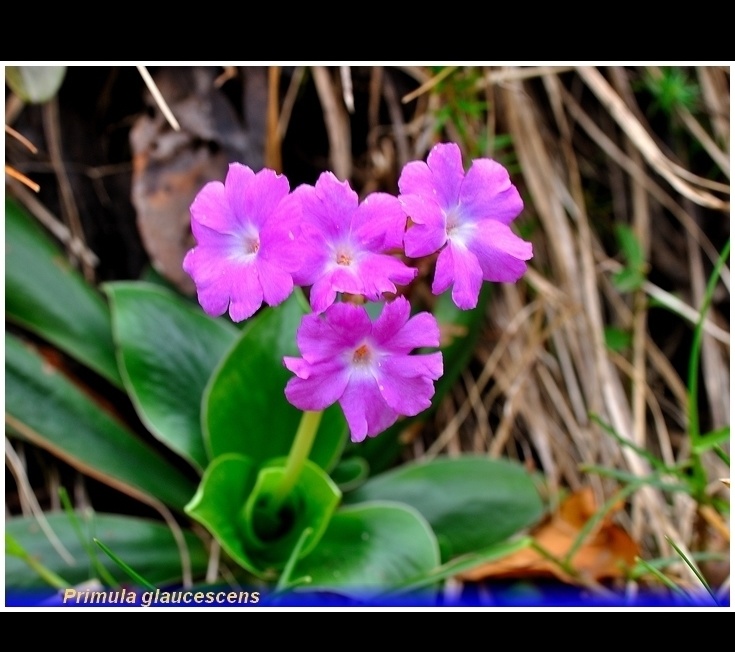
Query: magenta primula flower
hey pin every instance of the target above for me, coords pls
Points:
(346, 244)
(466, 217)
(365, 366)
(246, 251)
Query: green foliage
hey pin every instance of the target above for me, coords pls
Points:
(231, 503)
(463, 113)
(47, 296)
(167, 366)
(244, 407)
(370, 548)
(147, 546)
(76, 429)
(471, 502)
(633, 274)
(672, 90)
(617, 339)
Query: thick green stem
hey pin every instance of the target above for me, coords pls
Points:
(297, 457)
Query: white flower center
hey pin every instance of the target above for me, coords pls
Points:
(457, 229)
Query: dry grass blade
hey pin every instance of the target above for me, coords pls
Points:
(672, 172)
(582, 375)
(336, 120)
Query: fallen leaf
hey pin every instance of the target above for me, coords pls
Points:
(605, 554)
(170, 167)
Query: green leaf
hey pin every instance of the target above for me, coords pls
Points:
(45, 408)
(628, 280)
(471, 502)
(350, 473)
(35, 84)
(712, 439)
(230, 503)
(617, 339)
(370, 548)
(167, 349)
(245, 409)
(630, 247)
(47, 296)
(146, 545)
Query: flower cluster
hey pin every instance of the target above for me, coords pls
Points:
(256, 240)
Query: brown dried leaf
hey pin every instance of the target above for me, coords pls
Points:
(170, 167)
(606, 552)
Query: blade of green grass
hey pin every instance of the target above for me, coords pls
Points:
(12, 547)
(102, 573)
(129, 571)
(694, 568)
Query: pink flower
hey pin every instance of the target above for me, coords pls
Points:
(365, 366)
(346, 244)
(466, 218)
(246, 251)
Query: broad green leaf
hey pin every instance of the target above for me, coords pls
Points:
(245, 408)
(45, 408)
(471, 502)
(460, 330)
(145, 545)
(167, 350)
(35, 84)
(229, 503)
(350, 473)
(47, 296)
(369, 549)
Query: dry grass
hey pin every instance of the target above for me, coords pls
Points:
(589, 158)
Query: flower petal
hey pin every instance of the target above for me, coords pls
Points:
(366, 411)
(316, 386)
(276, 283)
(393, 331)
(406, 382)
(500, 252)
(445, 163)
(416, 179)
(329, 205)
(379, 273)
(458, 265)
(487, 192)
(246, 293)
(341, 329)
(322, 294)
(379, 222)
(211, 209)
(254, 197)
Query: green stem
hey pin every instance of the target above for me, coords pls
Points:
(692, 382)
(297, 457)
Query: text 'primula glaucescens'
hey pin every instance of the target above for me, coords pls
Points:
(256, 240)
